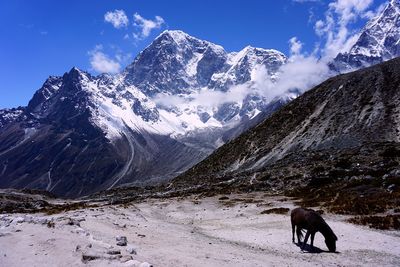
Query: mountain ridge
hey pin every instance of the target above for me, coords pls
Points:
(377, 42)
(55, 142)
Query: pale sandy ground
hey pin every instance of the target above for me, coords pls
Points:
(186, 232)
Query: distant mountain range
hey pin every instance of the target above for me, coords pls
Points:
(81, 133)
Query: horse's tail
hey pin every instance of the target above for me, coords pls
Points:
(301, 233)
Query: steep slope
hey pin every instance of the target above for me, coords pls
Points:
(355, 114)
(379, 41)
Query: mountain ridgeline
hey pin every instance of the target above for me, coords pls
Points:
(81, 133)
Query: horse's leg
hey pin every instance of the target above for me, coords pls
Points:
(312, 240)
(293, 226)
(305, 239)
(299, 234)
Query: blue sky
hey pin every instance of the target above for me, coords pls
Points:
(47, 37)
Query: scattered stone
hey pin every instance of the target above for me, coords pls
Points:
(113, 252)
(119, 225)
(90, 257)
(121, 240)
(391, 187)
(19, 220)
(126, 258)
(145, 264)
(86, 257)
(133, 263)
(368, 177)
(41, 221)
(80, 231)
(73, 222)
(50, 224)
(4, 234)
(131, 250)
(395, 173)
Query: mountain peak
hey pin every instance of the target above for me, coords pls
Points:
(76, 71)
(378, 41)
(181, 38)
(178, 36)
(175, 33)
(250, 48)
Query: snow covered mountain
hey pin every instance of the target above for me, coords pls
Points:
(379, 41)
(80, 134)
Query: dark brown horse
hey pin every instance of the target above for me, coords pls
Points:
(311, 221)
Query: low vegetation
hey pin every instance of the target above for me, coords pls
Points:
(276, 211)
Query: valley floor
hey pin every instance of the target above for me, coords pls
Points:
(186, 232)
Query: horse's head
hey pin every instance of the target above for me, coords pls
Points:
(331, 243)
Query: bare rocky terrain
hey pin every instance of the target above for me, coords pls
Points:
(223, 230)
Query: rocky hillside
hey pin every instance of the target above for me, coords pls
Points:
(346, 125)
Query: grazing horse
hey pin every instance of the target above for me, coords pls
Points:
(311, 221)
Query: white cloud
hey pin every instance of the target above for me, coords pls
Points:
(335, 26)
(373, 13)
(102, 63)
(300, 73)
(205, 98)
(319, 27)
(146, 25)
(349, 10)
(295, 46)
(117, 18)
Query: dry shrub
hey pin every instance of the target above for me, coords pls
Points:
(378, 222)
(276, 211)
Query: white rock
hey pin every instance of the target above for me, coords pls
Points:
(121, 240)
(145, 264)
(131, 250)
(19, 220)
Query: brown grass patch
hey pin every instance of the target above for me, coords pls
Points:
(353, 198)
(275, 211)
(378, 222)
